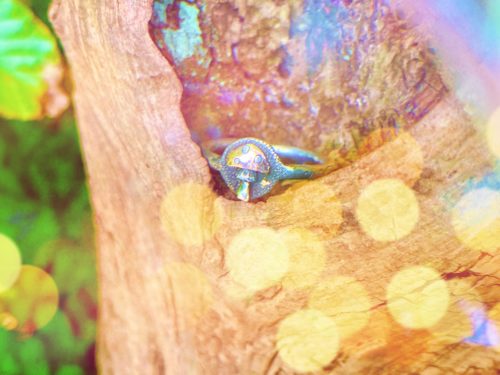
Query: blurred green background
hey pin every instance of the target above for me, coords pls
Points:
(48, 312)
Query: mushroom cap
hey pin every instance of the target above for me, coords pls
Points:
(249, 156)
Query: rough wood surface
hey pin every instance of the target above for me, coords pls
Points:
(138, 150)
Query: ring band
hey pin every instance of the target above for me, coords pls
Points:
(251, 167)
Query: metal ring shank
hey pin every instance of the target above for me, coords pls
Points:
(213, 149)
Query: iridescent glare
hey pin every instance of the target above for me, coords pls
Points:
(493, 133)
(494, 327)
(476, 219)
(185, 40)
(457, 324)
(465, 36)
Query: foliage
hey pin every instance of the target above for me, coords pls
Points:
(44, 205)
(45, 210)
(27, 50)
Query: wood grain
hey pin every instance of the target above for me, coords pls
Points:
(138, 149)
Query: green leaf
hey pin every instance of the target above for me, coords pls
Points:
(27, 48)
(29, 224)
(61, 256)
(9, 183)
(32, 357)
(8, 365)
(76, 219)
(40, 8)
(70, 370)
(59, 341)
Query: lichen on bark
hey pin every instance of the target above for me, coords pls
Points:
(317, 74)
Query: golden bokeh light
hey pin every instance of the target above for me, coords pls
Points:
(189, 214)
(10, 262)
(457, 324)
(476, 219)
(191, 292)
(417, 297)
(493, 133)
(33, 300)
(344, 300)
(257, 258)
(306, 258)
(387, 210)
(307, 340)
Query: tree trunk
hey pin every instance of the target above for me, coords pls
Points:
(169, 302)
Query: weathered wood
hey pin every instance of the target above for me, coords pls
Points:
(138, 149)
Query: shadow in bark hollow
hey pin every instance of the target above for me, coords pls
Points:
(318, 74)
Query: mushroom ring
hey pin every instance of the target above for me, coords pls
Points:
(251, 167)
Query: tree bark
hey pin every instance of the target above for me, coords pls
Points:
(138, 149)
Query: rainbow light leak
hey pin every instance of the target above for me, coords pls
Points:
(466, 35)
